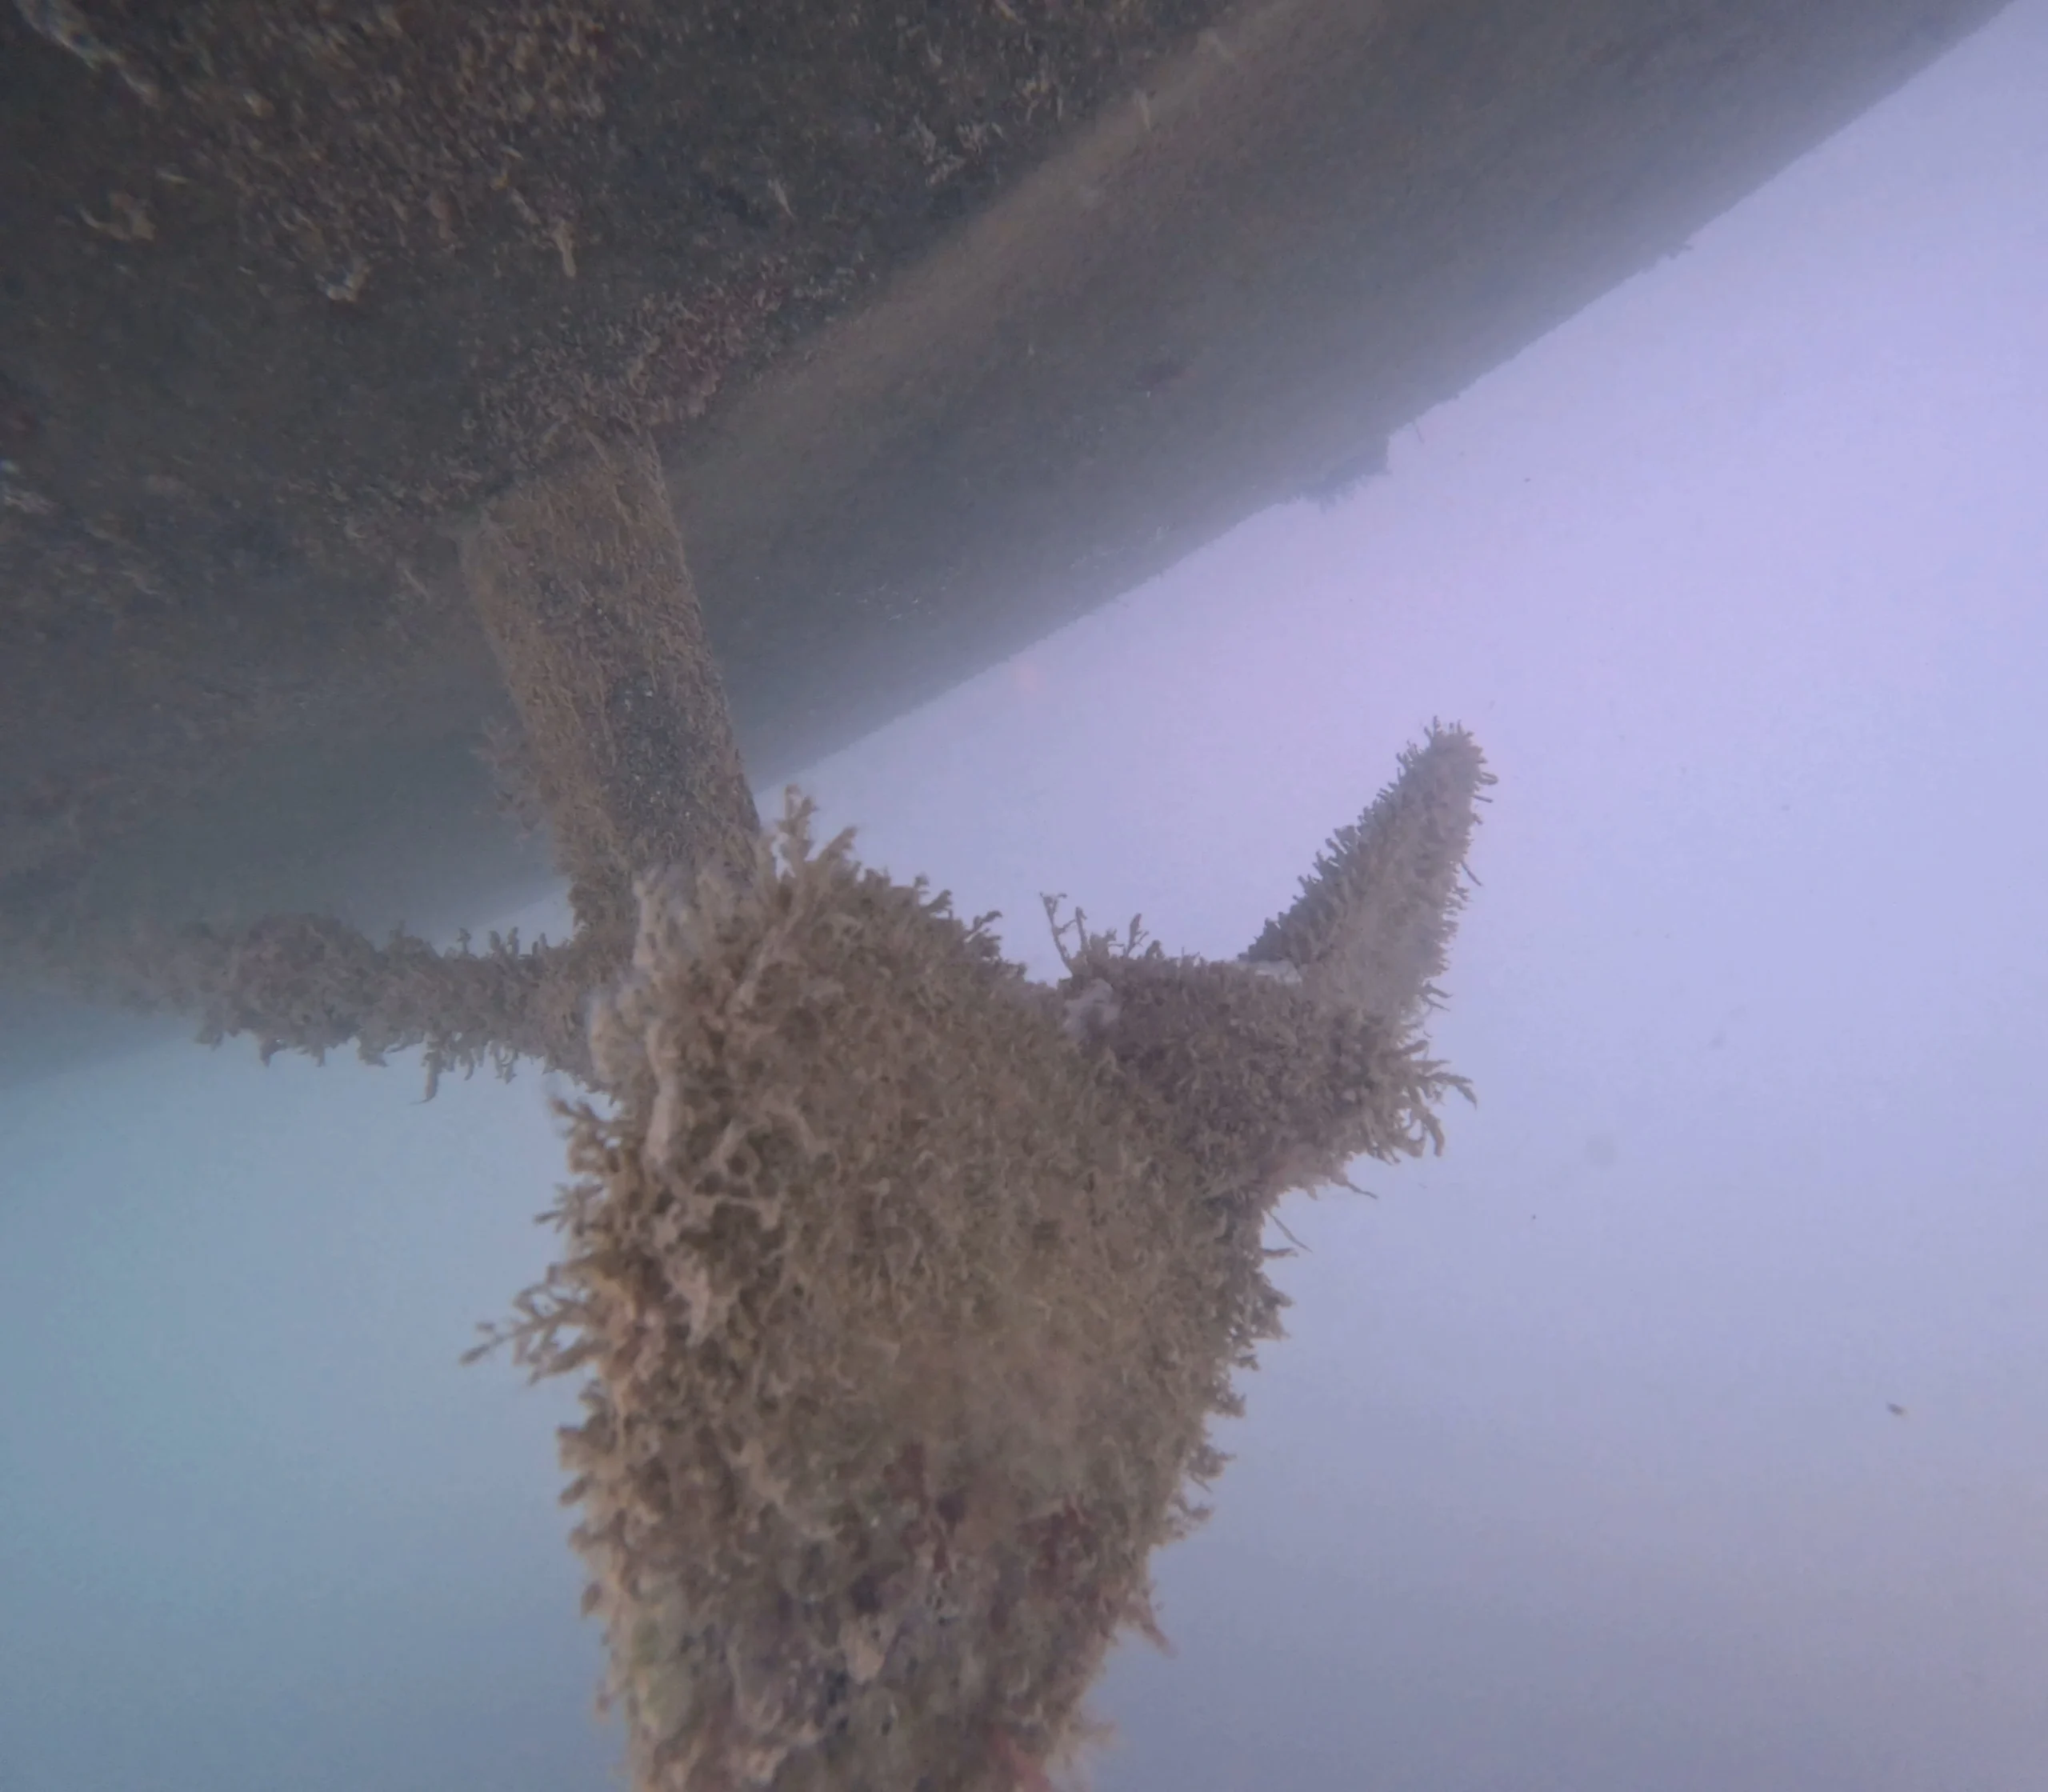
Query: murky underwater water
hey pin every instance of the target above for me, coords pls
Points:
(1678, 1427)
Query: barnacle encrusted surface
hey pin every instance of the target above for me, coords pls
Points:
(907, 1289)
(1266, 1087)
(905, 1323)
(582, 585)
(1372, 927)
